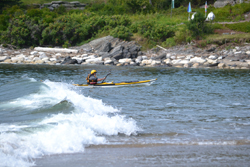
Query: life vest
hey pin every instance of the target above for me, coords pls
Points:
(91, 79)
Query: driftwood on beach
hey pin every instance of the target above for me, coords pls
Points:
(60, 50)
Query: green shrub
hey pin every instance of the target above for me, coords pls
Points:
(22, 31)
(110, 9)
(35, 14)
(138, 6)
(198, 27)
(150, 29)
(121, 32)
(181, 34)
(12, 12)
(170, 42)
(60, 10)
(143, 27)
(4, 22)
(48, 16)
(99, 23)
(118, 20)
(161, 32)
(93, 7)
(64, 31)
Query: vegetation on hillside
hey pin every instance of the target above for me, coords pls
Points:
(149, 24)
(8, 3)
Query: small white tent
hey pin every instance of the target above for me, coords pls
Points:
(210, 16)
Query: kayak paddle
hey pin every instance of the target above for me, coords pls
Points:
(106, 77)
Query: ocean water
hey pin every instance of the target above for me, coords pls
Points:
(188, 117)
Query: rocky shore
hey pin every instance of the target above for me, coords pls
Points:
(113, 51)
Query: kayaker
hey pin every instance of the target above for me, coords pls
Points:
(92, 79)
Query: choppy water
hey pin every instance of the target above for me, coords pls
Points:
(187, 108)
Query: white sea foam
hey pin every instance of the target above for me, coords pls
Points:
(88, 124)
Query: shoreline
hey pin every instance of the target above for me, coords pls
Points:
(155, 156)
(114, 52)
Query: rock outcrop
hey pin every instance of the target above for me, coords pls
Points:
(68, 5)
(222, 3)
(113, 51)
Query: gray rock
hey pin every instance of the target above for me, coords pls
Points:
(97, 43)
(79, 60)
(118, 56)
(51, 8)
(213, 64)
(234, 65)
(2, 58)
(133, 54)
(222, 3)
(42, 55)
(106, 47)
(68, 6)
(159, 57)
(57, 2)
(213, 57)
(55, 5)
(134, 48)
(110, 62)
(68, 60)
(127, 55)
(211, 49)
(117, 52)
(139, 58)
(104, 55)
(187, 65)
(75, 2)
(140, 53)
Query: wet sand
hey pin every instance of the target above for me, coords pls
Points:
(154, 156)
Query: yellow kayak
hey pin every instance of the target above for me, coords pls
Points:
(113, 84)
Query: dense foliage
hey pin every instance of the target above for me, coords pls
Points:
(8, 3)
(152, 22)
(121, 32)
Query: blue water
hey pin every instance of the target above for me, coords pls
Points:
(42, 114)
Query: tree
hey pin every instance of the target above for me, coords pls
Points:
(9, 3)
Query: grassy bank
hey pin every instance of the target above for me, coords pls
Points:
(149, 25)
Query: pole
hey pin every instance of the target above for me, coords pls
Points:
(205, 9)
(171, 8)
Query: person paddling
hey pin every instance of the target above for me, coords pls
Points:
(92, 79)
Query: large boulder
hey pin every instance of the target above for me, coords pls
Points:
(125, 60)
(68, 60)
(222, 3)
(106, 47)
(159, 57)
(3, 58)
(198, 60)
(117, 52)
(68, 5)
(113, 47)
